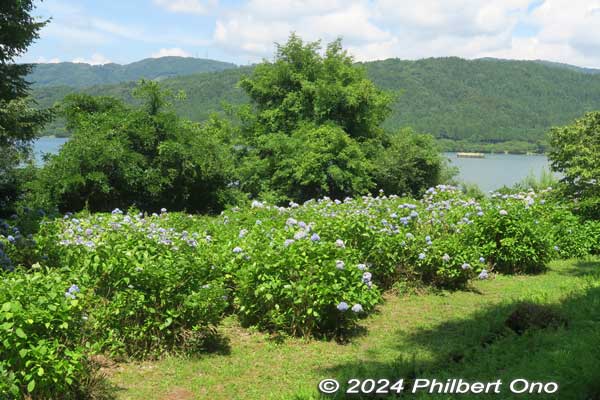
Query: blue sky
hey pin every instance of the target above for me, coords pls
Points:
(244, 31)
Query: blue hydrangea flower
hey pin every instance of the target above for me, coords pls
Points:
(117, 211)
(556, 248)
(74, 289)
(243, 233)
(315, 238)
(291, 222)
(237, 250)
(361, 267)
(503, 212)
(357, 308)
(422, 256)
(301, 235)
(410, 236)
(288, 242)
(343, 306)
(483, 274)
(481, 260)
(367, 276)
(339, 264)
(340, 243)
(466, 266)
(446, 257)
(11, 238)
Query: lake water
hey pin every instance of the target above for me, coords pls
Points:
(497, 170)
(489, 173)
(47, 145)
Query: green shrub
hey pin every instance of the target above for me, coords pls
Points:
(408, 163)
(155, 289)
(155, 160)
(41, 320)
(448, 261)
(301, 284)
(571, 237)
(511, 237)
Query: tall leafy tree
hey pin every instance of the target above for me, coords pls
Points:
(575, 153)
(19, 121)
(312, 113)
(315, 130)
(301, 85)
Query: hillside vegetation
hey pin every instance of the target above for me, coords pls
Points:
(80, 75)
(468, 104)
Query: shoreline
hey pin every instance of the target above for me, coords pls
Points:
(529, 153)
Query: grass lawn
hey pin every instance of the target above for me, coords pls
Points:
(438, 335)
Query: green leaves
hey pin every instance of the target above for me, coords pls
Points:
(40, 346)
(20, 333)
(575, 154)
(157, 159)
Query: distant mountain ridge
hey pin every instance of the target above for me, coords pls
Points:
(460, 102)
(551, 64)
(79, 75)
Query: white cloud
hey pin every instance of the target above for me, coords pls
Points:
(96, 59)
(174, 51)
(44, 60)
(568, 32)
(559, 30)
(188, 6)
(253, 29)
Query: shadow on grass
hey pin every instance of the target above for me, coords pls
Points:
(583, 267)
(481, 347)
(215, 343)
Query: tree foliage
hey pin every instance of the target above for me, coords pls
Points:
(19, 121)
(147, 156)
(407, 163)
(575, 153)
(315, 130)
(301, 86)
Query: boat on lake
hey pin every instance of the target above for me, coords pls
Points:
(470, 155)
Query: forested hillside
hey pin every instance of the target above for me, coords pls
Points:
(83, 75)
(467, 104)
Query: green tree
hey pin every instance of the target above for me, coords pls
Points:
(575, 153)
(314, 161)
(315, 130)
(311, 112)
(19, 122)
(407, 162)
(302, 86)
(120, 156)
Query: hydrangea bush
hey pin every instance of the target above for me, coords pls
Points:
(155, 288)
(300, 282)
(306, 269)
(41, 319)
